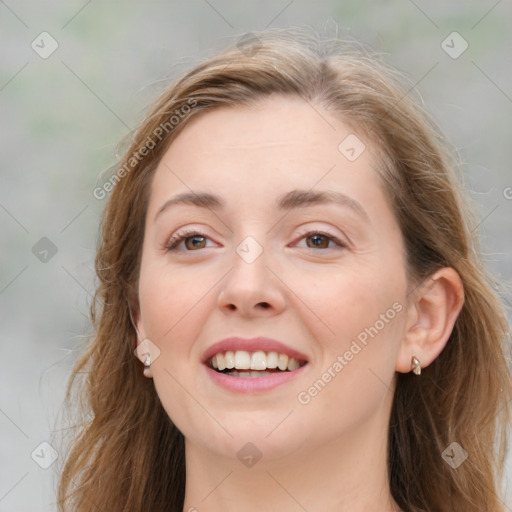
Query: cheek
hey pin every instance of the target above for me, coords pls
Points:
(173, 306)
(364, 309)
(348, 299)
(171, 301)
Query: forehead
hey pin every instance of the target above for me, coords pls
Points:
(279, 143)
(280, 123)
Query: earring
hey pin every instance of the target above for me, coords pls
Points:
(416, 366)
(147, 366)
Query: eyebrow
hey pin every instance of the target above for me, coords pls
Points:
(290, 201)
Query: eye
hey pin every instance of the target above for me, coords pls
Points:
(192, 240)
(321, 240)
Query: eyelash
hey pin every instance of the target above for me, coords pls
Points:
(175, 240)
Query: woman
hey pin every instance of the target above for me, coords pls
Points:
(288, 254)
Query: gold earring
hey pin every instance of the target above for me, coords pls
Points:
(416, 366)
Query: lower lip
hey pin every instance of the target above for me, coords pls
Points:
(252, 384)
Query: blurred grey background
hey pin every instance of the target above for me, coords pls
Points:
(64, 108)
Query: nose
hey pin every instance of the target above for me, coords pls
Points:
(251, 289)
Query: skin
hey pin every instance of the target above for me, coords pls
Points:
(328, 454)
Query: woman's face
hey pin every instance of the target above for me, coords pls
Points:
(287, 236)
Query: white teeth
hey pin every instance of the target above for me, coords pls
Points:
(221, 362)
(247, 374)
(283, 362)
(259, 361)
(293, 364)
(229, 357)
(252, 374)
(272, 360)
(242, 360)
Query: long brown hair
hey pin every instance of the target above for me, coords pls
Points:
(128, 455)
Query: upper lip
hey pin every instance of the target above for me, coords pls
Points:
(252, 345)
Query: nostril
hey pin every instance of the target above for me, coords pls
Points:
(264, 305)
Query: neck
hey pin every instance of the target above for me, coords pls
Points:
(348, 474)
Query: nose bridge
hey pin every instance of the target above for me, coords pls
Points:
(250, 285)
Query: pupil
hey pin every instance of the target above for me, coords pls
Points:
(318, 240)
(196, 241)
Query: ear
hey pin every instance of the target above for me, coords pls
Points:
(431, 315)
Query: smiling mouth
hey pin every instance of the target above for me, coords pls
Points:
(241, 363)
